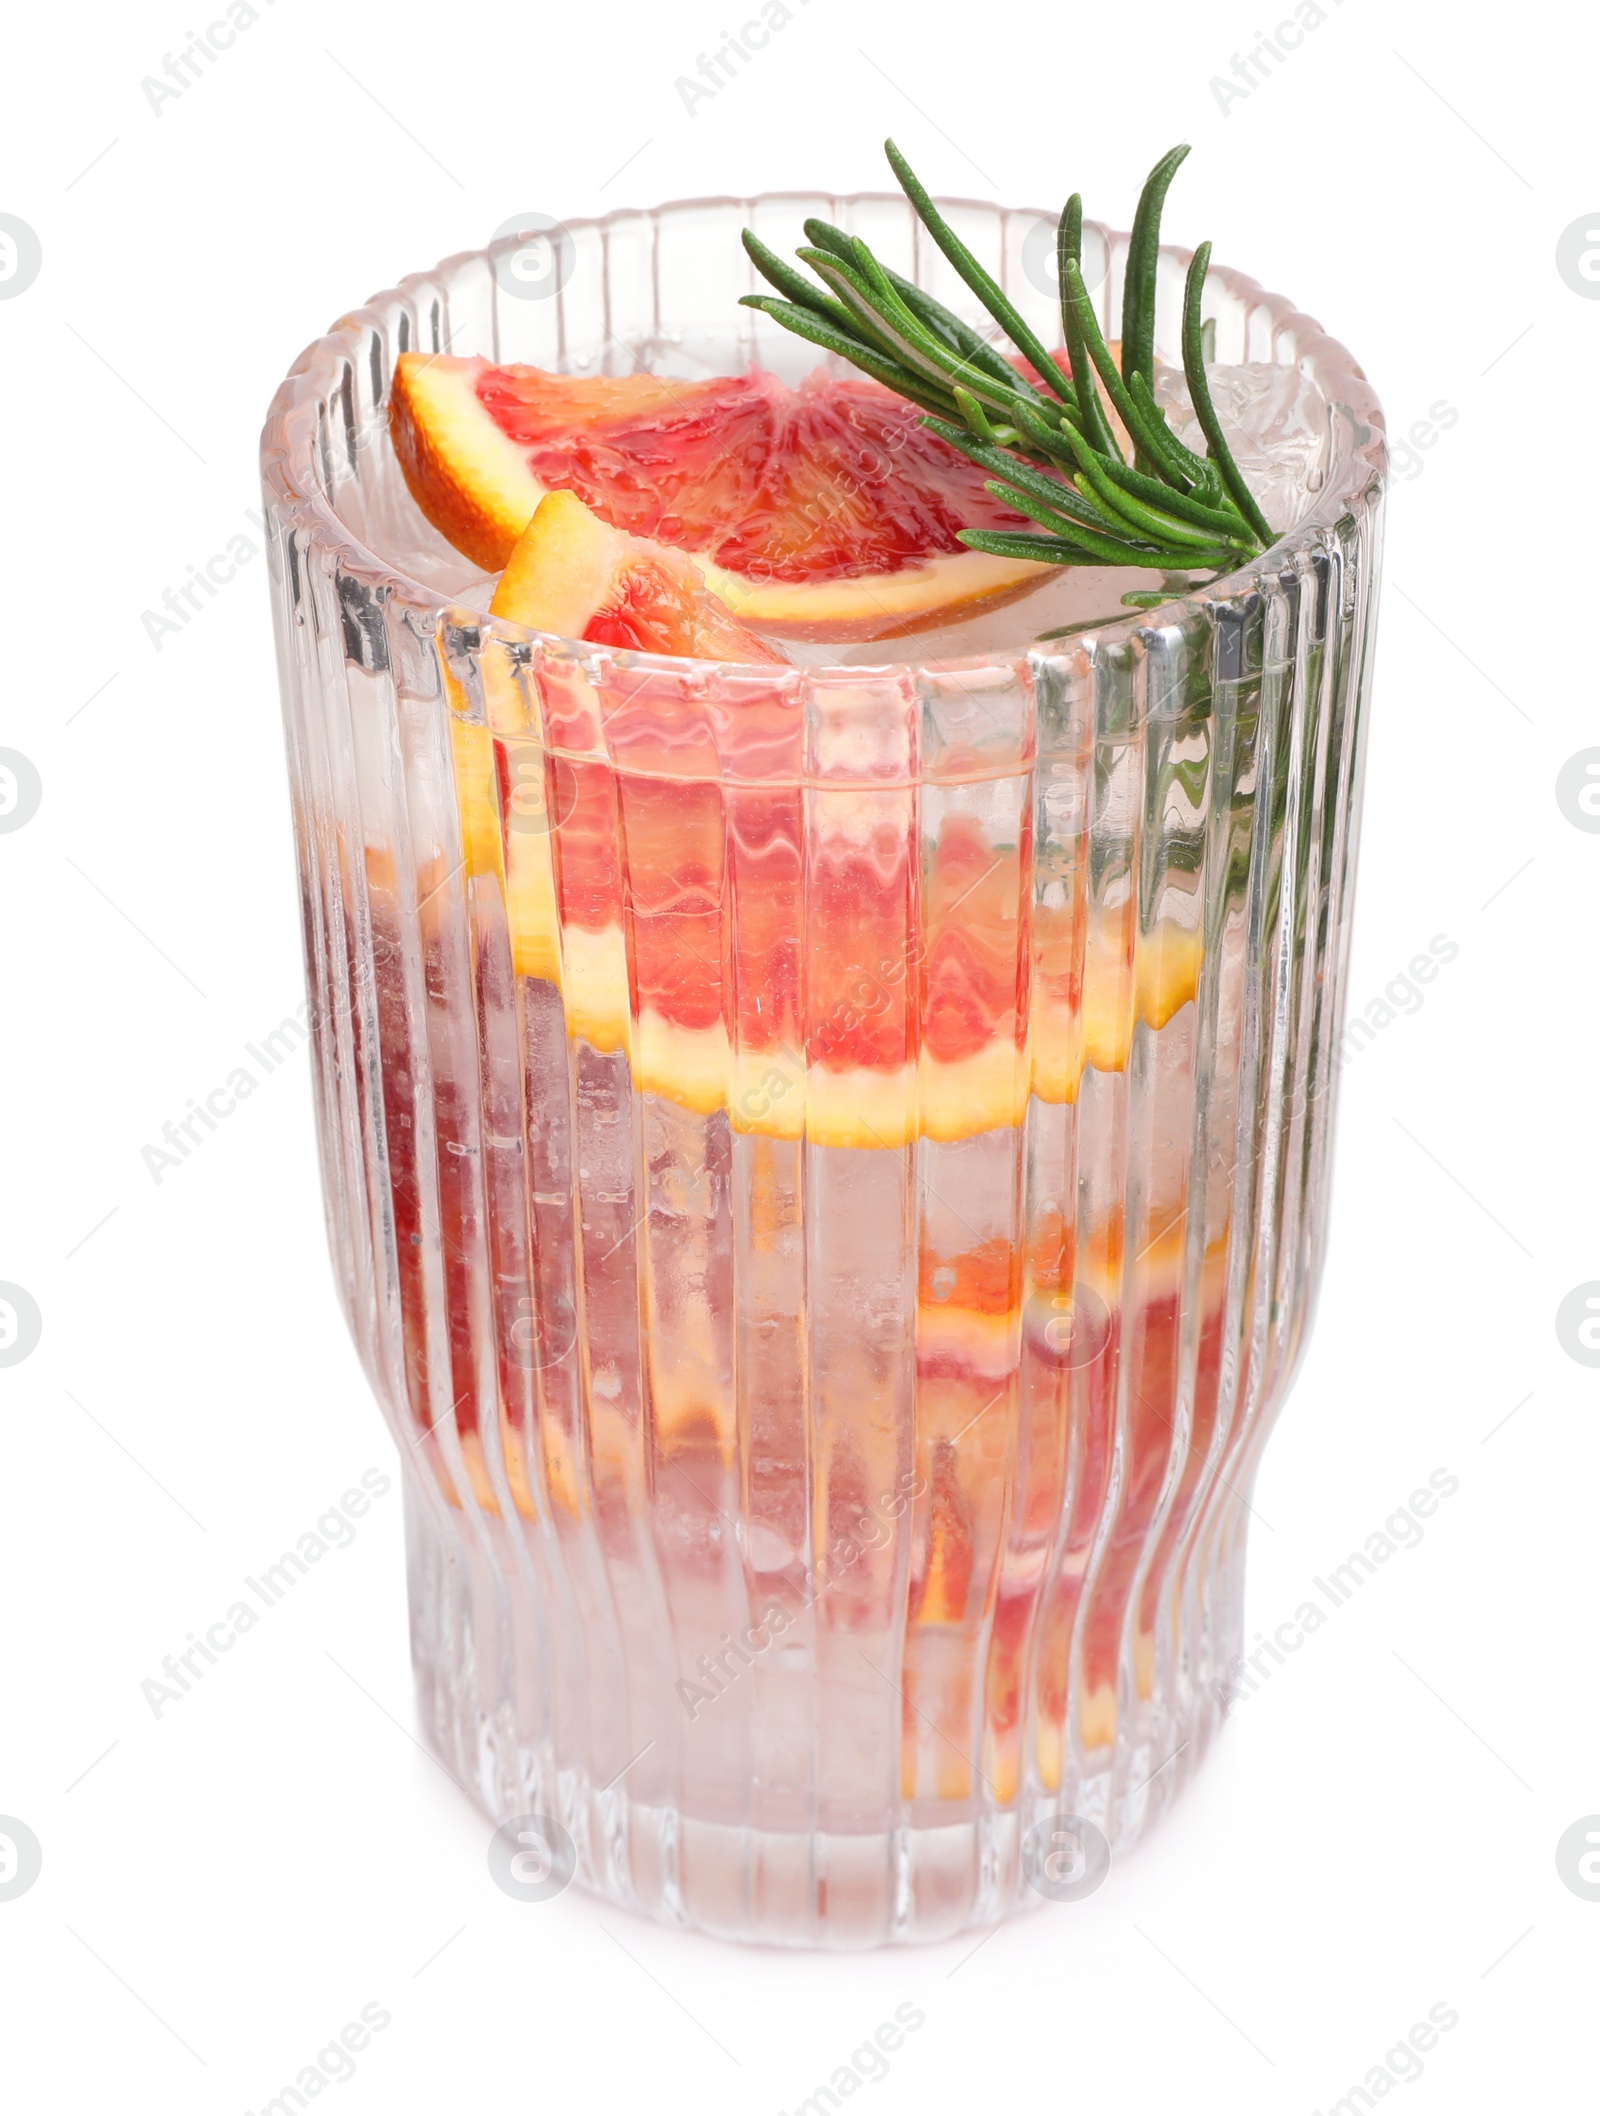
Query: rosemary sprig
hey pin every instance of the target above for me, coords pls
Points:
(1051, 450)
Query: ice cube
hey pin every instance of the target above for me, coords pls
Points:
(1275, 420)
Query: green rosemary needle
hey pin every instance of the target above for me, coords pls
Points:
(1050, 449)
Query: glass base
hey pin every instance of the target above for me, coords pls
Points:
(525, 1735)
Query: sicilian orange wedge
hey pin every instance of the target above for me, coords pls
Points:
(826, 511)
(569, 573)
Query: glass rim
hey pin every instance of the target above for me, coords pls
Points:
(297, 491)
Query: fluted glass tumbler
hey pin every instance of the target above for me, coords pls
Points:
(826, 1165)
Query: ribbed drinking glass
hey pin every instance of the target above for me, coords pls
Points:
(826, 1166)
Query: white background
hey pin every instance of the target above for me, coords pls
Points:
(224, 1888)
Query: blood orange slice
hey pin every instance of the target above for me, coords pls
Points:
(824, 512)
(569, 573)
(883, 977)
